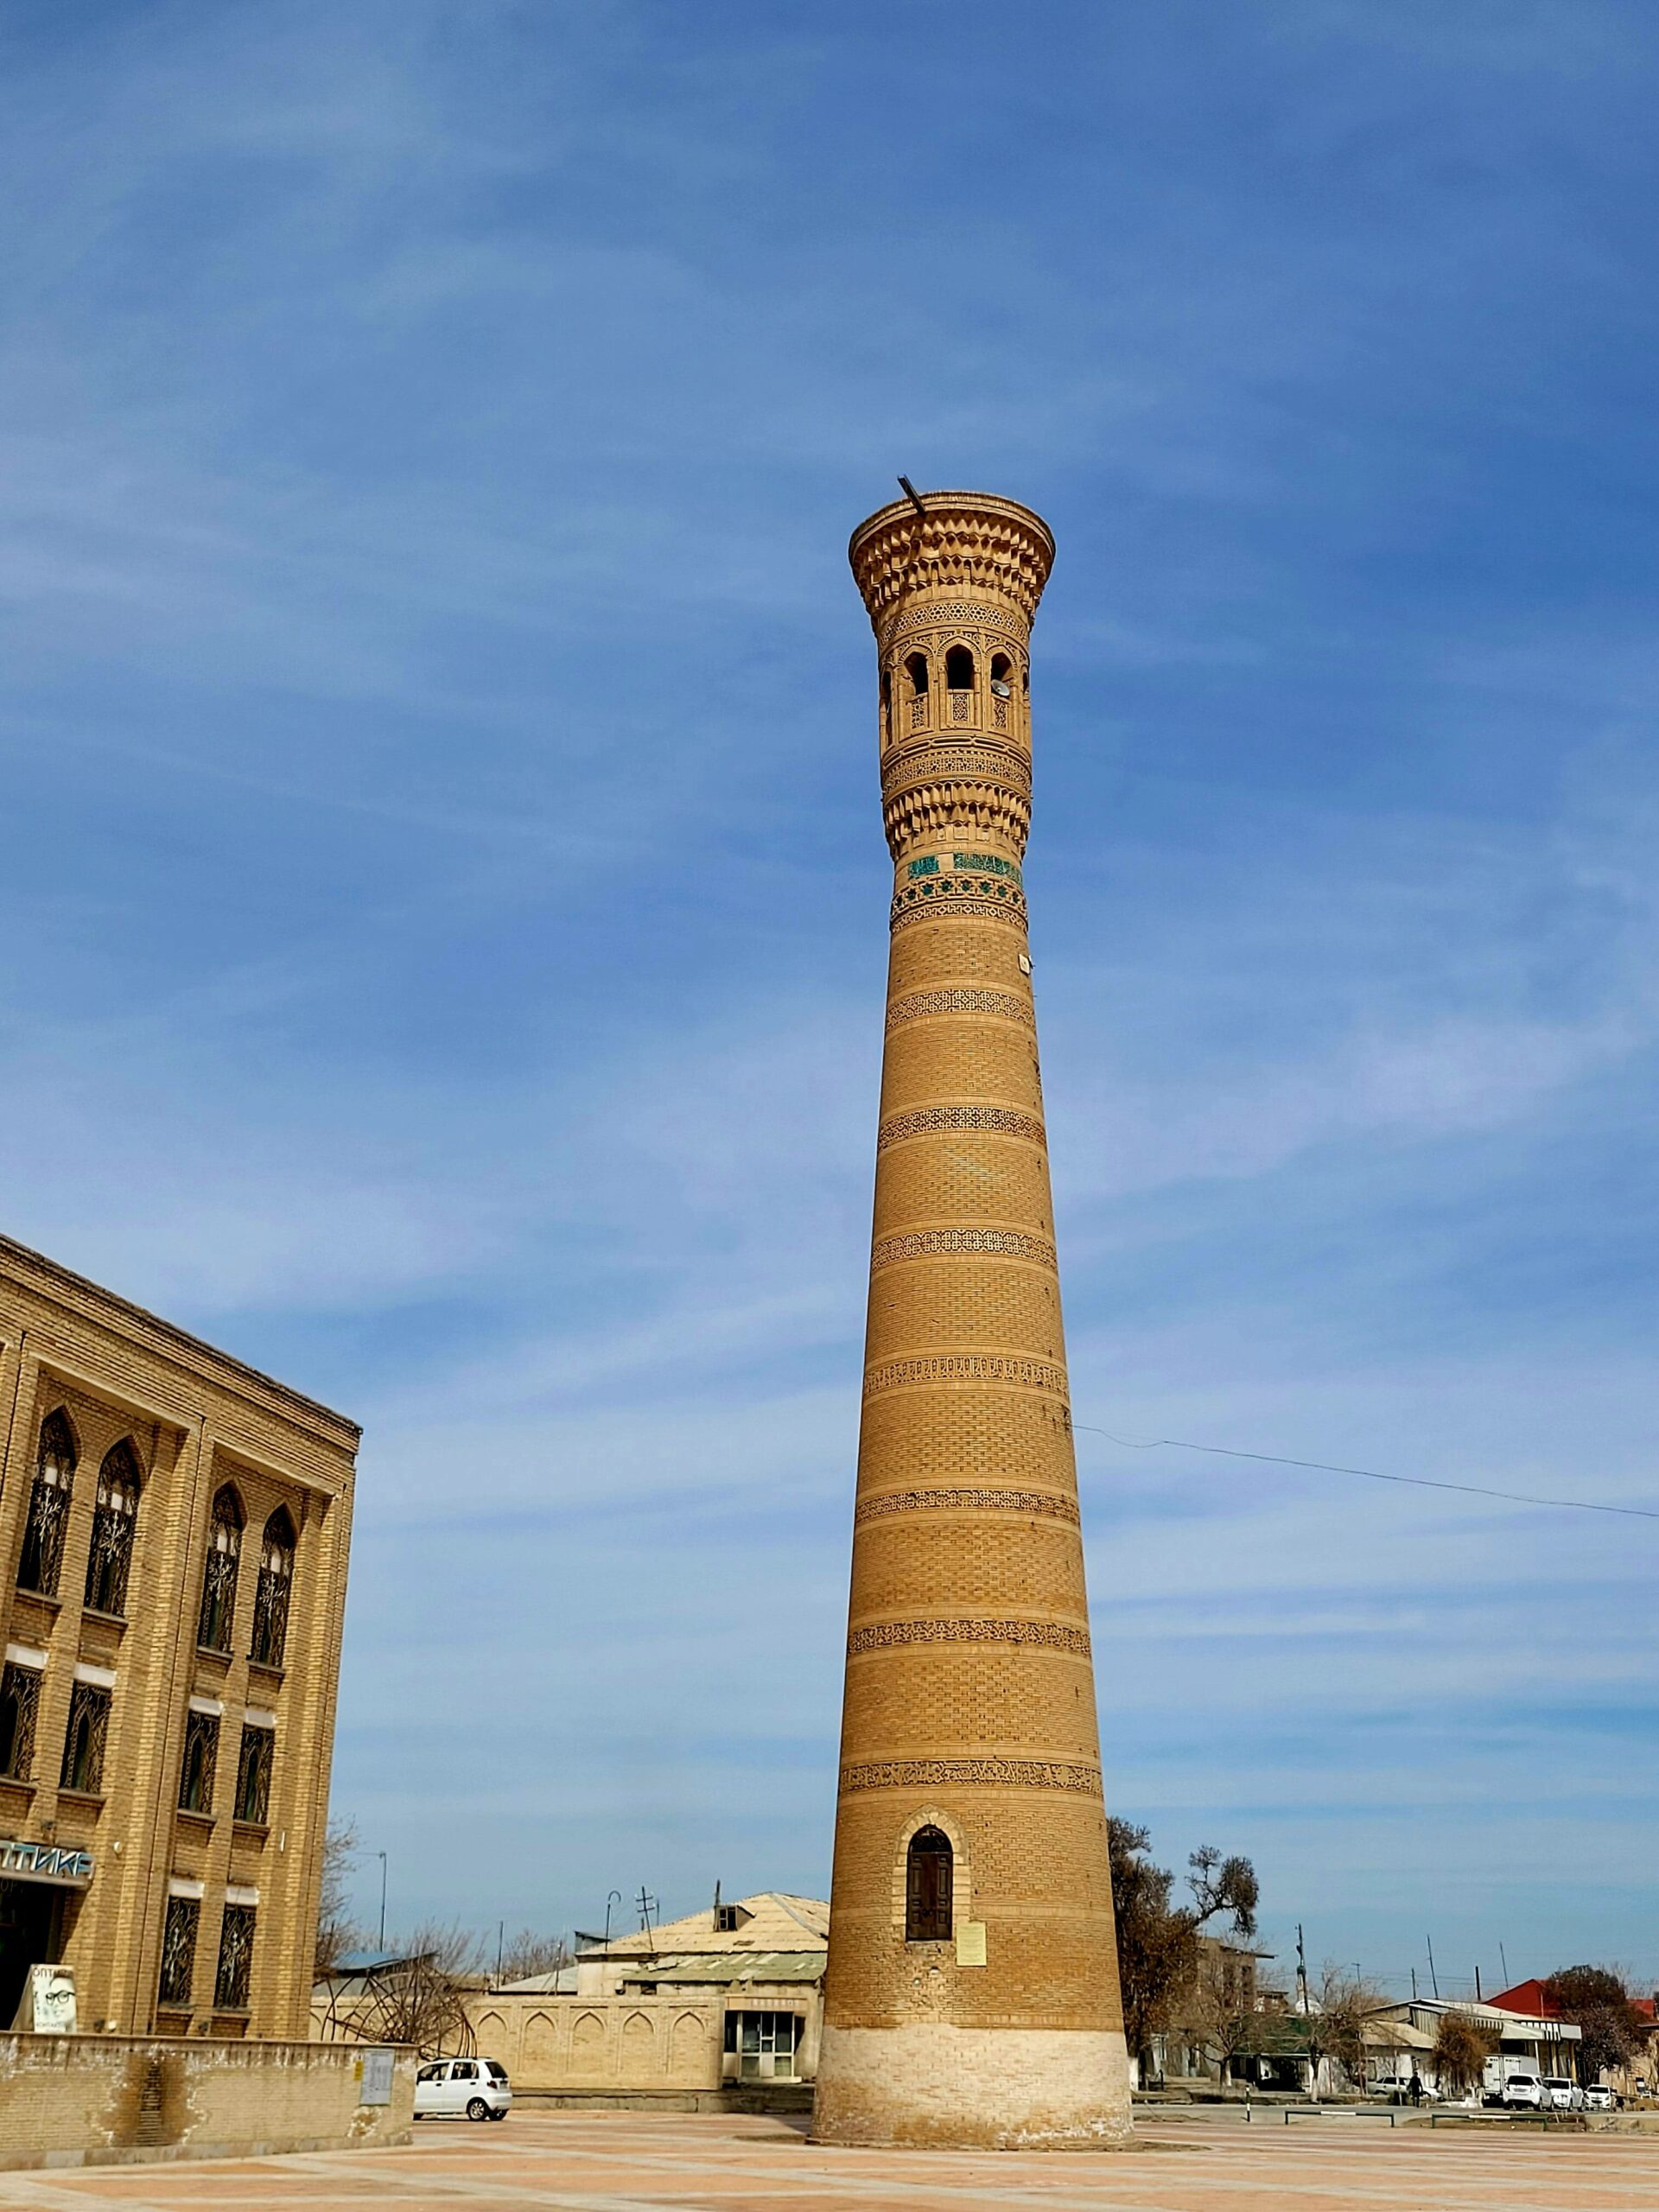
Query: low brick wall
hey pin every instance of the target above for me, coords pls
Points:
(87, 2100)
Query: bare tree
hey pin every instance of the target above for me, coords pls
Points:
(337, 1933)
(1157, 1940)
(1336, 2022)
(1221, 2007)
(1462, 2046)
(1597, 2000)
(529, 1952)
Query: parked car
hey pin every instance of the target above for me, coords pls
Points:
(1522, 2090)
(448, 2087)
(1564, 2095)
(1597, 2097)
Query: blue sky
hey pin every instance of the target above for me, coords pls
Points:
(444, 925)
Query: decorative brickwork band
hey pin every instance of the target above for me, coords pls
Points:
(956, 910)
(971, 894)
(934, 1120)
(919, 1004)
(1046, 1504)
(1051, 1636)
(989, 1774)
(953, 614)
(966, 1367)
(941, 760)
(936, 1243)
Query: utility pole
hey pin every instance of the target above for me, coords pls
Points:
(1479, 2000)
(381, 1856)
(1504, 1963)
(1414, 1985)
(1301, 1968)
(1434, 1981)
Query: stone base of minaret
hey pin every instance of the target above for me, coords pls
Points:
(929, 2085)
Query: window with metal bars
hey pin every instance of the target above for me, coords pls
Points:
(219, 1572)
(256, 1756)
(928, 1883)
(83, 1741)
(20, 1701)
(231, 1982)
(270, 1596)
(201, 1758)
(115, 1516)
(179, 1950)
(48, 1507)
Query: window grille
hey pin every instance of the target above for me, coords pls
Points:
(20, 1699)
(218, 1574)
(928, 1886)
(235, 1958)
(83, 1742)
(179, 1949)
(255, 1758)
(49, 1508)
(270, 1598)
(201, 1758)
(114, 1518)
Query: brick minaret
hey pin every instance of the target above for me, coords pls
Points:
(972, 1994)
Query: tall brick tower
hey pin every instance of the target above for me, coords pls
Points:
(972, 1992)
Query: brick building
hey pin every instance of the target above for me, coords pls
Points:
(174, 1529)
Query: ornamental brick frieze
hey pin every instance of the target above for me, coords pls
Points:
(917, 1005)
(936, 759)
(955, 614)
(979, 1367)
(989, 1774)
(1045, 1504)
(936, 1243)
(1045, 1636)
(992, 904)
(936, 1121)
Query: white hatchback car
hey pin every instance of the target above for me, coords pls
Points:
(1564, 2095)
(1519, 2091)
(449, 2088)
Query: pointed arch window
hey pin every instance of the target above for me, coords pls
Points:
(271, 1599)
(916, 669)
(83, 1740)
(115, 1518)
(958, 669)
(929, 1872)
(20, 1703)
(48, 1507)
(219, 1572)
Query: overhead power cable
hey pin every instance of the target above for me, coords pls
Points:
(1369, 1474)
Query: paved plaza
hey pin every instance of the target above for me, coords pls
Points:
(631, 2162)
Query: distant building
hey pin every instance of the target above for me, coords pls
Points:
(174, 1529)
(730, 1996)
(1639, 2078)
(1403, 2036)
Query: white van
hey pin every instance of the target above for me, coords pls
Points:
(448, 2087)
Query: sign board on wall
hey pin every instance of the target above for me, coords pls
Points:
(47, 2004)
(375, 2075)
(45, 1862)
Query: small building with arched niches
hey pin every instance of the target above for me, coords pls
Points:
(174, 1530)
(728, 2001)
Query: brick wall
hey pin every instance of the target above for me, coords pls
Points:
(115, 2100)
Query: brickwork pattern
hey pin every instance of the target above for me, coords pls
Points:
(970, 1688)
(196, 1421)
